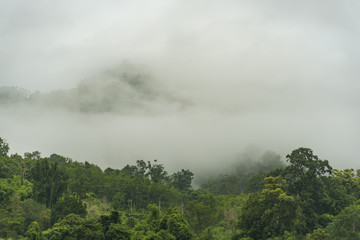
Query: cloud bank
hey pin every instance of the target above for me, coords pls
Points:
(210, 79)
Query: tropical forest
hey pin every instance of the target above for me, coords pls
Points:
(55, 197)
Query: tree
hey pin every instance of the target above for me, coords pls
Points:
(49, 181)
(107, 220)
(306, 176)
(318, 234)
(201, 210)
(304, 165)
(69, 204)
(342, 189)
(153, 217)
(33, 211)
(182, 179)
(4, 148)
(215, 233)
(349, 181)
(176, 225)
(118, 201)
(85, 178)
(70, 227)
(93, 230)
(158, 193)
(141, 167)
(270, 213)
(34, 232)
(157, 172)
(36, 155)
(59, 159)
(117, 231)
(6, 190)
(346, 225)
(59, 179)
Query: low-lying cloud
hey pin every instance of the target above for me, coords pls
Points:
(214, 78)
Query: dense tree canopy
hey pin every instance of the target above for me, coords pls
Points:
(57, 198)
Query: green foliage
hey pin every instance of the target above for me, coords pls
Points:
(36, 155)
(154, 171)
(230, 208)
(176, 225)
(157, 172)
(49, 181)
(117, 231)
(270, 213)
(212, 233)
(171, 225)
(96, 207)
(182, 179)
(118, 201)
(12, 193)
(349, 182)
(318, 234)
(14, 186)
(67, 205)
(10, 166)
(163, 235)
(6, 190)
(84, 178)
(201, 210)
(70, 227)
(305, 167)
(4, 148)
(93, 230)
(34, 232)
(44, 198)
(153, 217)
(307, 178)
(33, 211)
(10, 224)
(346, 225)
(107, 220)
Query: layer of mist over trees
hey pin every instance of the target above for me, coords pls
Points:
(167, 110)
(114, 113)
(121, 90)
(57, 198)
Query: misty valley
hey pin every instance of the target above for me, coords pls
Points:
(56, 197)
(179, 120)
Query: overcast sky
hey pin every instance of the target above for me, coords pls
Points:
(274, 74)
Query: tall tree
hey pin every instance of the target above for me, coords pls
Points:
(346, 225)
(157, 172)
(270, 213)
(305, 166)
(182, 179)
(306, 177)
(49, 181)
(69, 204)
(4, 148)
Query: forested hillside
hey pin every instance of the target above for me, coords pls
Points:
(57, 198)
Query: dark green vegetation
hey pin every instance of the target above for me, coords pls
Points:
(58, 198)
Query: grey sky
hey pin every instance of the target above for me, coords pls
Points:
(278, 74)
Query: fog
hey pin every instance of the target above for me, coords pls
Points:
(193, 84)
